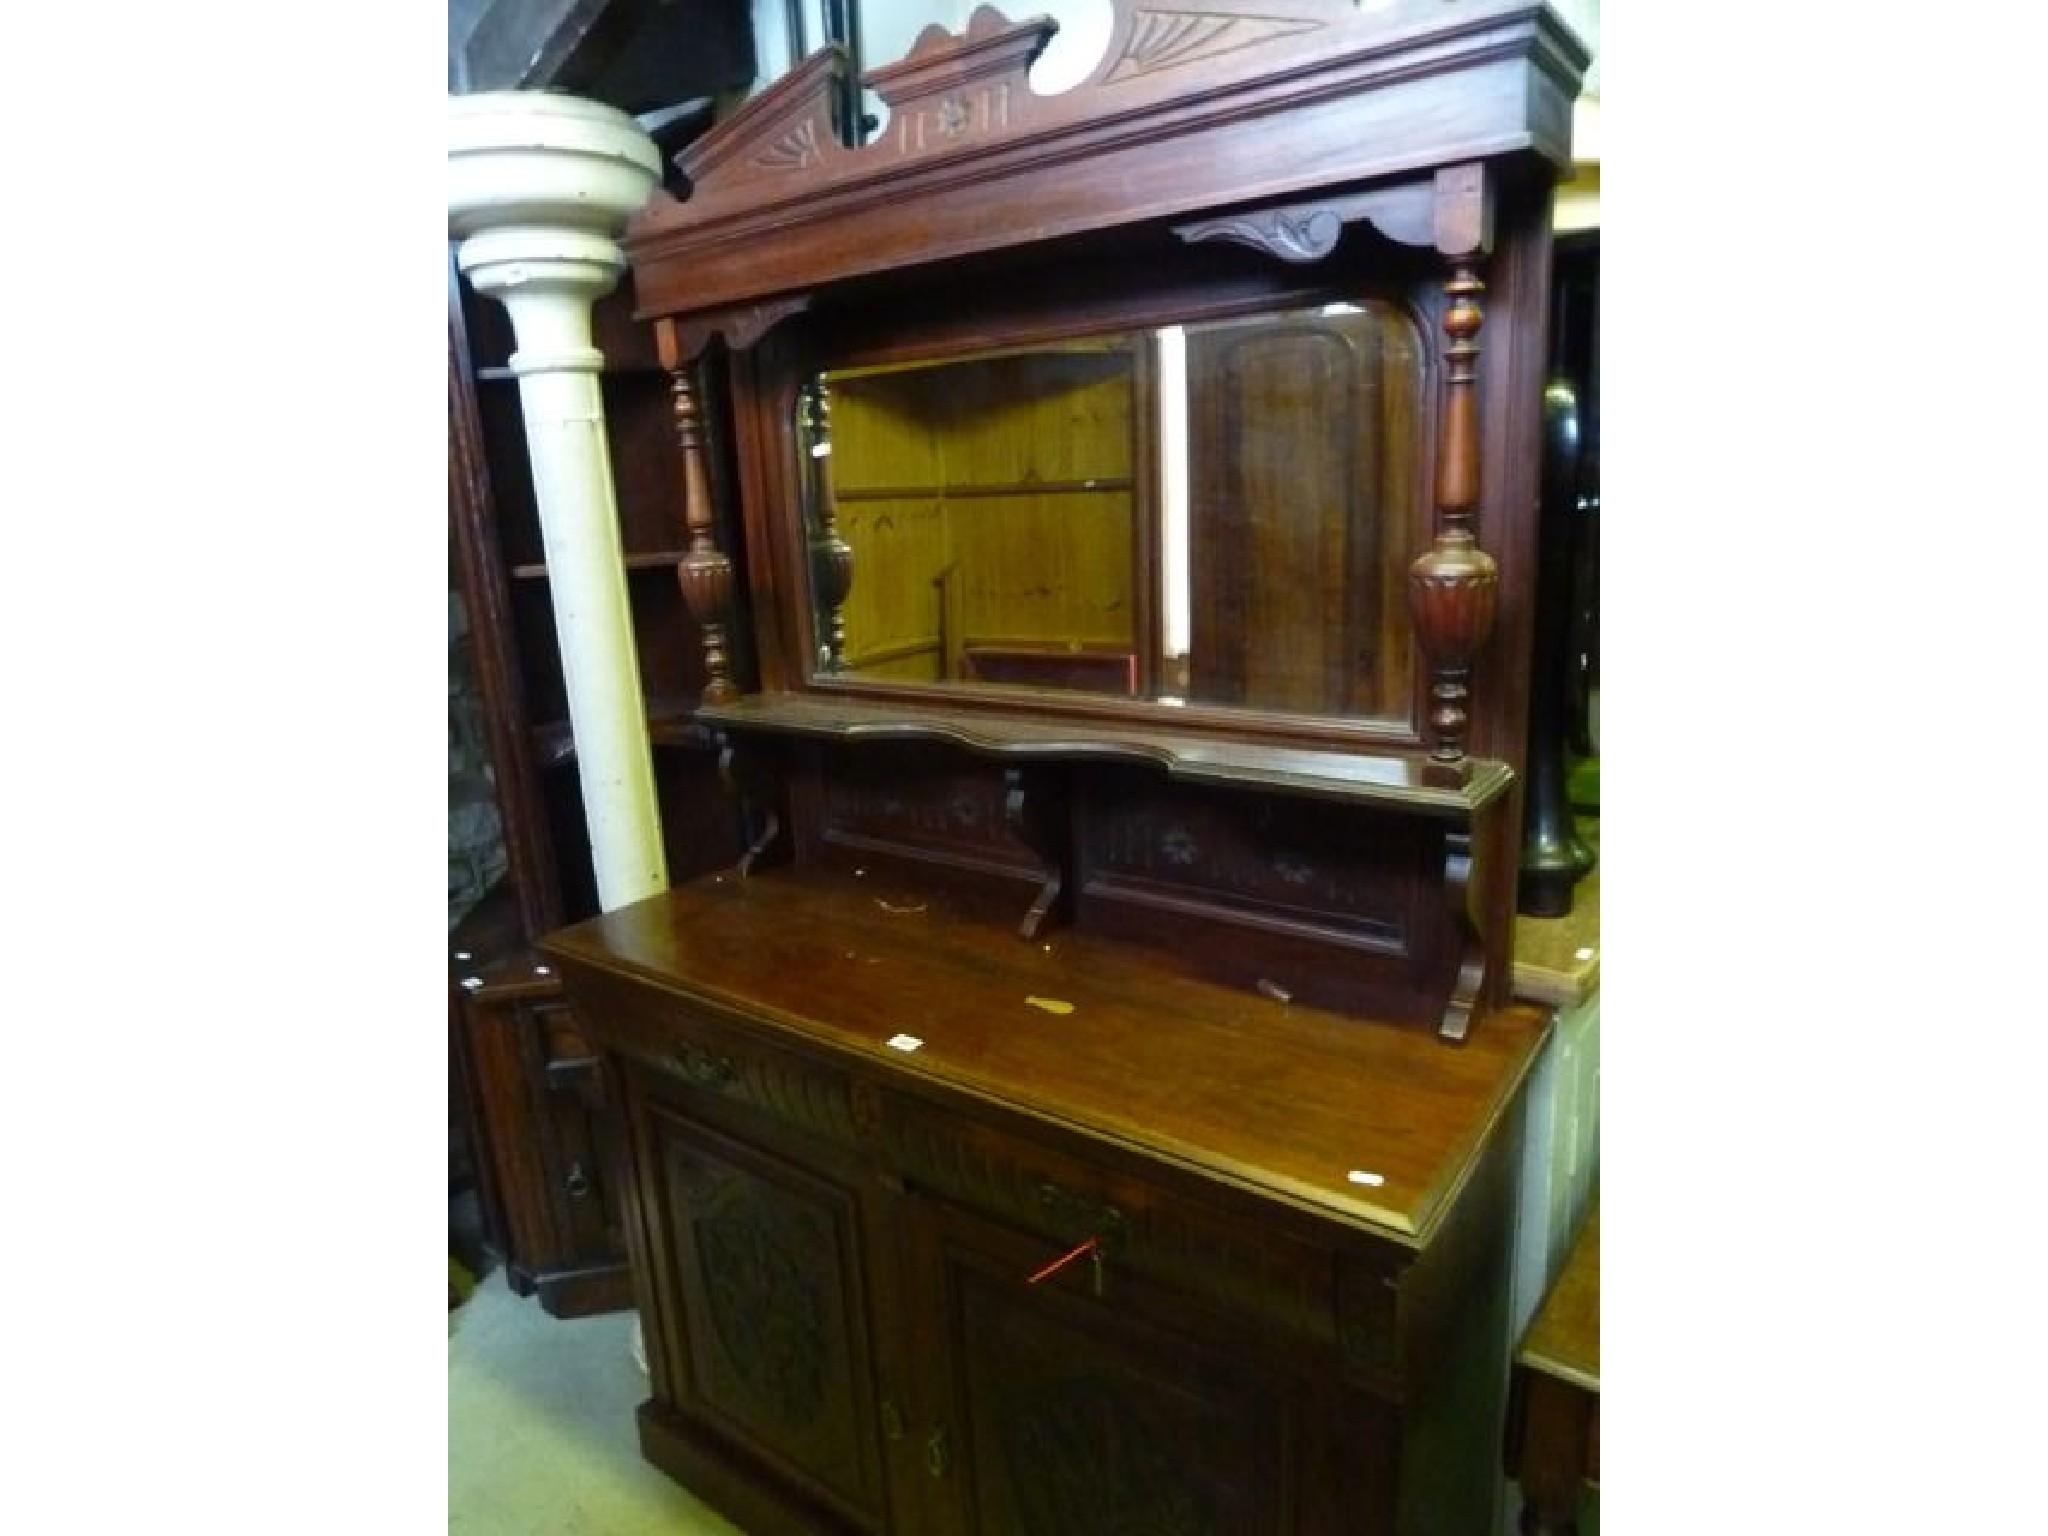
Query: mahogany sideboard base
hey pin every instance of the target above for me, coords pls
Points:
(1045, 1272)
(747, 1494)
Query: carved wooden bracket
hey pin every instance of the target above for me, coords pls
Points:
(1451, 212)
(1038, 822)
(1468, 992)
(750, 780)
(831, 555)
(1300, 232)
(740, 327)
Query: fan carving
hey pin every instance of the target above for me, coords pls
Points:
(794, 150)
(1167, 39)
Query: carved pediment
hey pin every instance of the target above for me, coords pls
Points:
(956, 90)
(787, 128)
(950, 89)
(1238, 115)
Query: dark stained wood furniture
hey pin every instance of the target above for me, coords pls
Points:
(1073, 1112)
(536, 1115)
(1285, 1308)
(538, 1123)
(1554, 1420)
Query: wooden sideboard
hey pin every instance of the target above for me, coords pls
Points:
(865, 1126)
(1092, 1102)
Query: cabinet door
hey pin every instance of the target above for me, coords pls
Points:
(1058, 1413)
(769, 1309)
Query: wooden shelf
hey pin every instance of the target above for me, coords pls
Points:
(974, 492)
(671, 722)
(1411, 782)
(611, 370)
(649, 560)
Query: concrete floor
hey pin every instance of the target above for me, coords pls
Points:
(541, 1440)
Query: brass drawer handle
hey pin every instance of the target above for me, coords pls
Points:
(1077, 1213)
(936, 1455)
(577, 1182)
(707, 1069)
(892, 1420)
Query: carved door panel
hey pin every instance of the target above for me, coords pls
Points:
(1051, 1412)
(770, 1328)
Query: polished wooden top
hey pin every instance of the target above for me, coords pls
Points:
(488, 955)
(1564, 1341)
(1373, 1124)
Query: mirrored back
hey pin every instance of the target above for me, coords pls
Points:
(1213, 513)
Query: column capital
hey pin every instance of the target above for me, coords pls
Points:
(540, 185)
(545, 161)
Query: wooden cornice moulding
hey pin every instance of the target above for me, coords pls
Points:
(1270, 97)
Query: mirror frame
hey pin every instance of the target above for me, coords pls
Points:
(1064, 300)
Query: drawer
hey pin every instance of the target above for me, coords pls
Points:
(1179, 1241)
(693, 1052)
(560, 1038)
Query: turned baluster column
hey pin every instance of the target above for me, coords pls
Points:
(540, 185)
(1452, 587)
(831, 555)
(705, 573)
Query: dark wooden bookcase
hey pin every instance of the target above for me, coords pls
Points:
(536, 1104)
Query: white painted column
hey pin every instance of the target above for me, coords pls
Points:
(540, 186)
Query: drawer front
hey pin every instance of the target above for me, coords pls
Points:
(1216, 1252)
(1168, 1238)
(561, 1039)
(717, 1059)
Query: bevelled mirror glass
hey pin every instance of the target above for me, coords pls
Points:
(1214, 513)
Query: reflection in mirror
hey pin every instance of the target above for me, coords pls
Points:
(1217, 513)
